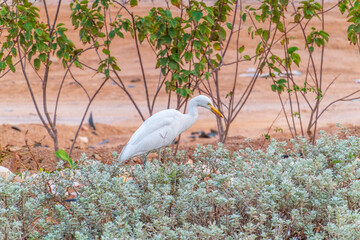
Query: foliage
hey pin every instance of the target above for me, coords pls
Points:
(273, 23)
(302, 192)
(61, 154)
(190, 41)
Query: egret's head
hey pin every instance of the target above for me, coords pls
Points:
(206, 102)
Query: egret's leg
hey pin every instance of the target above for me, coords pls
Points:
(159, 154)
(144, 158)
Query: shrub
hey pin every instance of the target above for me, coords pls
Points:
(283, 193)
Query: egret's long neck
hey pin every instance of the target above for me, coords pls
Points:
(192, 109)
(191, 116)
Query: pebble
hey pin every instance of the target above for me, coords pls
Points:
(103, 142)
(135, 80)
(84, 139)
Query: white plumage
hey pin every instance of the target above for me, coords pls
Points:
(162, 128)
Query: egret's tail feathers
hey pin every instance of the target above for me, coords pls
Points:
(123, 156)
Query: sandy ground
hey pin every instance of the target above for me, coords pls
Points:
(23, 139)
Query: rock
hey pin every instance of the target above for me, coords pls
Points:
(135, 80)
(97, 157)
(84, 128)
(16, 128)
(203, 135)
(251, 70)
(103, 142)
(5, 173)
(212, 133)
(83, 139)
(91, 122)
(247, 75)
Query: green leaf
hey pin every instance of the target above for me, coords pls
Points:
(176, 3)
(319, 42)
(43, 57)
(280, 27)
(197, 44)
(197, 15)
(172, 32)
(175, 57)
(241, 49)
(133, 3)
(243, 17)
(66, 56)
(217, 46)
(12, 68)
(38, 31)
(62, 155)
(9, 60)
(78, 64)
(356, 29)
(229, 26)
(106, 51)
(296, 58)
(281, 82)
(168, 13)
(28, 26)
(164, 61)
(173, 65)
(207, 18)
(292, 49)
(265, 35)
(186, 37)
(37, 63)
(336, 161)
(273, 87)
(13, 51)
(2, 65)
(115, 67)
(188, 56)
(111, 34)
(246, 57)
(222, 33)
(107, 72)
(325, 35)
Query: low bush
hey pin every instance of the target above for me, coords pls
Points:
(300, 192)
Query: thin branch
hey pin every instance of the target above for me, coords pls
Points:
(84, 115)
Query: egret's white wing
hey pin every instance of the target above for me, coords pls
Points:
(159, 121)
(157, 131)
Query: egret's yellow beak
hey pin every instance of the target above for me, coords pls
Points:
(214, 110)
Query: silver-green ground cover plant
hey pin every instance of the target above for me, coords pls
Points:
(296, 192)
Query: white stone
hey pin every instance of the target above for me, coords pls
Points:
(5, 173)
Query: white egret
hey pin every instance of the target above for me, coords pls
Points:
(162, 128)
